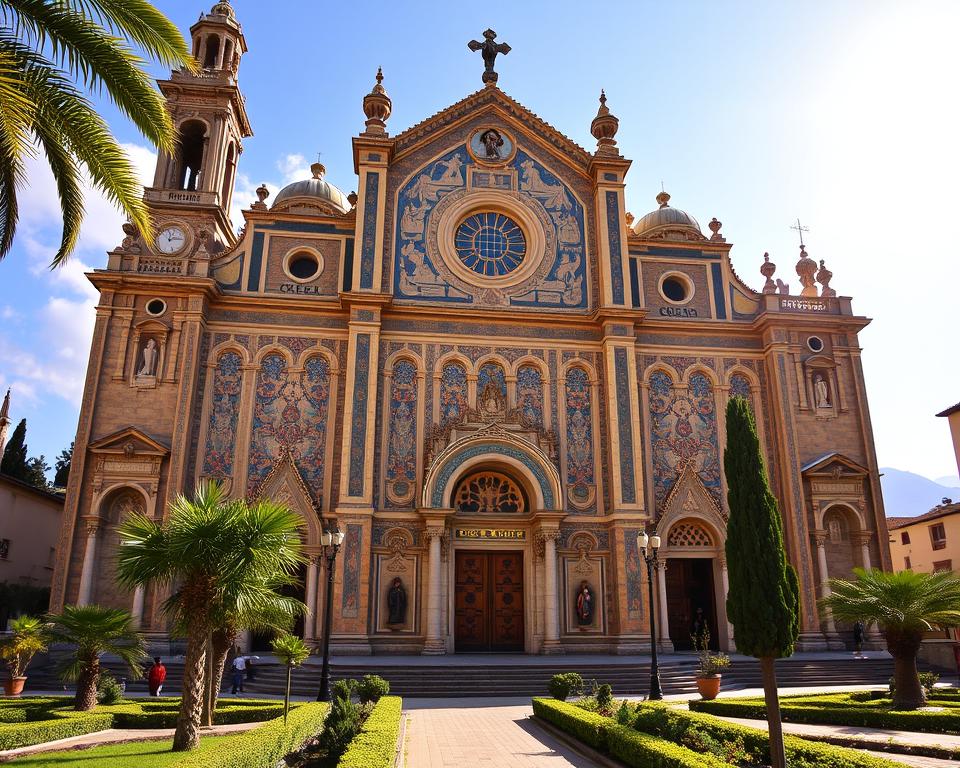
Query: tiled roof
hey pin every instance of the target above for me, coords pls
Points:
(937, 512)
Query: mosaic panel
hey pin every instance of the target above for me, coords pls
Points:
(453, 465)
(358, 424)
(581, 481)
(631, 563)
(290, 410)
(530, 393)
(402, 441)
(453, 392)
(352, 556)
(491, 373)
(613, 236)
(224, 411)
(625, 424)
(367, 245)
(683, 428)
(380, 531)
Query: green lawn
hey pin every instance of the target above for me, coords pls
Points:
(142, 754)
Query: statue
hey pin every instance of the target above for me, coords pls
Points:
(821, 391)
(783, 288)
(492, 141)
(150, 355)
(824, 276)
(584, 605)
(489, 50)
(396, 603)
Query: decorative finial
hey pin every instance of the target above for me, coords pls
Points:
(715, 225)
(604, 127)
(262, 194)
(824, 276)
(223, 8)
(806, 267)
(317, 169)
(662, 199)
(377, 106)
(5, 408)
(800, 230)
(488, 51)
(767, 269)
(352, 199)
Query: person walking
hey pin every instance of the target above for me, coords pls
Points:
(858, 640)
(251, 672)
(156, 676)
(238, 669)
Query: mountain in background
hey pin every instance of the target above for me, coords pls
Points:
(906, 494)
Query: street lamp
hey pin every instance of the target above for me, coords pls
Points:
(643, 541)
(330, 541)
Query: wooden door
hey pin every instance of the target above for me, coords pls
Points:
(689, 586)
(488, 601)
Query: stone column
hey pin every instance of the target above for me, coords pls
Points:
(821, 539)
(551, 629)
(725, 583)
(137, 610)
(663, 617)
(310, 620)
(85, 594)
(863, 539)
(434, 645)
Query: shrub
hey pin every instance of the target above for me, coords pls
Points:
(108, 690)
(343, 722)
(564, 684)
(28, 638)
(624, 714)
(265, 745)
(376, 744)
(927, 679)
(371, 688)
(60, 726)
(604, 697)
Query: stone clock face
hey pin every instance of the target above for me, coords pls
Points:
(171, 240)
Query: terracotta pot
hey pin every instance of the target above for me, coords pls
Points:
(708, 687)
(13, 686)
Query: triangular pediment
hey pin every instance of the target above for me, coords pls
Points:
(689, 495)
(493, 100)
(284, 485)
(834, 464)
(129, 440)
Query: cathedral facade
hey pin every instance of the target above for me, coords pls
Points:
(479, 367)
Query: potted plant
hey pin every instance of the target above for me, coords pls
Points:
(709, 665)
(17, 651)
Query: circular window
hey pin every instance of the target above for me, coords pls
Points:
(815, 343)
(490, 244)
(156, 307)
(676, 288)
(302, 266)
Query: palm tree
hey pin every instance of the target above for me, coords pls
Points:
(292, 651)
(904, 605)
(216, 552)
(45, 47)
(96, 630)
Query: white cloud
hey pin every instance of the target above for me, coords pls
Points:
(9, 314)
(294, 167)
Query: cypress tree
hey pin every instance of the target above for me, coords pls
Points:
(763, 601)
(63, 467)
(14, 462)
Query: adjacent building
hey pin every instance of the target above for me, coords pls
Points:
(480, 367)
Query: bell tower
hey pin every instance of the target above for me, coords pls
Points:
(192, 188)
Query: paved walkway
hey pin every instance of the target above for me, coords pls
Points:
(455, 733)
(116, 736)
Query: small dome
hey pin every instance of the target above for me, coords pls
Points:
(312, 193)
(666, 223)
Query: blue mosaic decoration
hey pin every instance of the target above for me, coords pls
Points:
(352, 555)
(631, 562)
(581, 479)
(740, 386)
(290, 410)
(224, 410)
(683, 429)
(625, 423)
(368, 244)
(358, 429)
(491, 372)
(613, 236)
(530, 393)
(402, 441)
(490, 244)
(453, 464)
(453, 392)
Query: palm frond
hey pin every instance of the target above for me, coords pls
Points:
(69, 184)
(16, 114)
(95, 630)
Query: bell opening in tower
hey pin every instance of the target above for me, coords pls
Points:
(190, 155)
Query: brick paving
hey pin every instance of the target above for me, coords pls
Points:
(455, 733)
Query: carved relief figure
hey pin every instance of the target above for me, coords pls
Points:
(531, 181)
(492, 141)
(421, 273)
(568, 231)
(148, 359)
(396, 603)
(411, 223)
(821, 391)
(584, 605)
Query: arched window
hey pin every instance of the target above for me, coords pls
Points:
(190, 154)
(213, 49)
(489, 493)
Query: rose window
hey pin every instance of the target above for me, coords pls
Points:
(489, 493)
(490, 244)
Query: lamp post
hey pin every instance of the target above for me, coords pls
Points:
(650, 558)
(331, 541)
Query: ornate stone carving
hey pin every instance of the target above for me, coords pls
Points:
(767, 269)
(397, 542)
(489, 50)
(806, 268)
(148, 359)
(824, 276)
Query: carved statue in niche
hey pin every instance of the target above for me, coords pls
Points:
(148, 359)
(584, 605)
(492, 141)
(396, 603)
(821, 391)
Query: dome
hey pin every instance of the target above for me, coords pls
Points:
(666, 223)
(312, 193)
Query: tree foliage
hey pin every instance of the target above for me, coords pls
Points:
(62, 476)
(37, 469)
(49, 51)
(14, 462)
(763, 600)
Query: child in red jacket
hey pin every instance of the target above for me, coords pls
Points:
(156, 676)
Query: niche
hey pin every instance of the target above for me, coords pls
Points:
(190, 154)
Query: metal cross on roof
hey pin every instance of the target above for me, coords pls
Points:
(800, 230)
(489, 50)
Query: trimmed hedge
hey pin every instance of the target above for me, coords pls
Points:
(662, 720)
(264, 746)
(376, 744)
(636, 749)
(59, 725)
(864, 709)
(149, 714)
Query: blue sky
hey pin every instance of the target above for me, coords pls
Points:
(843, 114)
